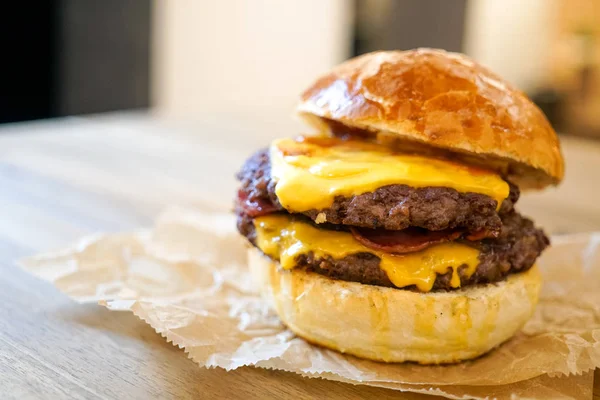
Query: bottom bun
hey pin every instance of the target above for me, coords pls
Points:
(394, 325)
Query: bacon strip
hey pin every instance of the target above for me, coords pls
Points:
(255, 207)
(482, 234)
(405, 241)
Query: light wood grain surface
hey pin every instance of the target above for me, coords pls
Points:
(66, 178)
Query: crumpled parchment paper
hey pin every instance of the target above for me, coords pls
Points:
(188, 279)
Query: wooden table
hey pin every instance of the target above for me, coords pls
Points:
(66, 178)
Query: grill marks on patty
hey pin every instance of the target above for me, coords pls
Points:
(515, 247)
(392, 207)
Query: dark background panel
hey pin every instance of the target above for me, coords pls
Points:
(66, 57)
(27, 60)
(407, 24)
(104, 55)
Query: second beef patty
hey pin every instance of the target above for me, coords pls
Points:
(515, 250)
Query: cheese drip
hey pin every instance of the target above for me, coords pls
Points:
(311, 172)
(285, 239)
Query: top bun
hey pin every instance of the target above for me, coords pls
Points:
(433, 100)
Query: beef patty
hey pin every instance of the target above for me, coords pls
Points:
(515, 250)
(392, 207)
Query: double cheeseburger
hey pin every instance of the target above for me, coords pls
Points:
(391, 234)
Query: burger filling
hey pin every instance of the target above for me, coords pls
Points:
(357, 211)
(339, 255)
(391, 207)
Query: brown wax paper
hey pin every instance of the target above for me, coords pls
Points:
(188, 279)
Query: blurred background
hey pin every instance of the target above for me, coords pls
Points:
(189, 58)
(165, 99)
(112, 111)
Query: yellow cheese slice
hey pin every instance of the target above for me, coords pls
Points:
(311, 172)
(284, 238)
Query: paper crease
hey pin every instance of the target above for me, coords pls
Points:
(187, 278)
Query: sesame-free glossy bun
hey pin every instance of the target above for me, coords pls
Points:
(435, 99)
(394, 325)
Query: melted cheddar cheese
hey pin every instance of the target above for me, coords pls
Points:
(284, 238)
(310, 173)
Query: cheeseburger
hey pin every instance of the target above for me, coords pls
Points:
(391, 233)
